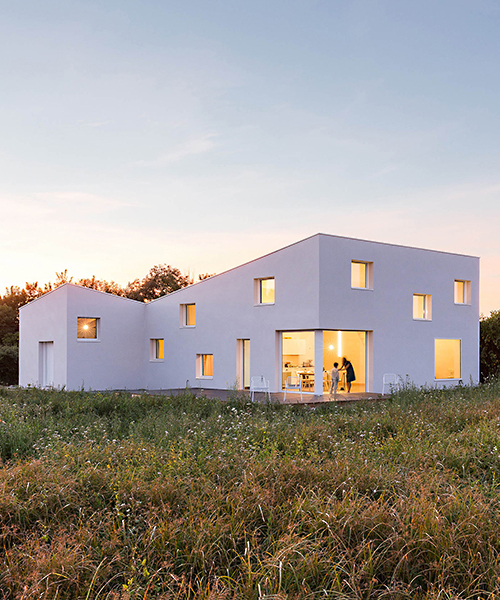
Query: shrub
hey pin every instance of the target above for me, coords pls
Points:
(9, 360)
(490, 346)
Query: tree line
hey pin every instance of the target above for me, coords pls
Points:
(161, 280)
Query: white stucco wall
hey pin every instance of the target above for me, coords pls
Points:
(312, 292)
(225, 312)
(115, 360)
(43, 320)
(401, 344)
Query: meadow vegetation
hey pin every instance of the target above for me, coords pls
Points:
(120, 496)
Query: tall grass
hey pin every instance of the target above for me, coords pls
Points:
(109, 495)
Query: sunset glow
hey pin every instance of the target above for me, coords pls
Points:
(204, 135)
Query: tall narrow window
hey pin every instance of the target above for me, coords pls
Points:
(422, 307)
(204, 365)
(447, 359)
(361, 274)
(190, 315)
(462, 291)
(86, 328)
(157, 349)
(264, 291)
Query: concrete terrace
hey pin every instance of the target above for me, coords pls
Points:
(278, 398)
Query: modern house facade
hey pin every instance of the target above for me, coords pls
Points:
(296, 311)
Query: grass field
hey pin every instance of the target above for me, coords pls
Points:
(111, 496)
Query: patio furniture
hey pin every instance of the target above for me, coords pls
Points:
(258, 383)
(293, 383)
(307, 379)
(327, 379)
(390, 381)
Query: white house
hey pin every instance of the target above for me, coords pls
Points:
(296, 311)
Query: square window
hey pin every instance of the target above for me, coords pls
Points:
(86, 328)
(157, 349)
(361, 274)
(447, 358)
(422, 307)
(204, 365)
(188, 315)
(264, 290)
(462, 291)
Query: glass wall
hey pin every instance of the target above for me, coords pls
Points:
(352, 346)
(298, 357)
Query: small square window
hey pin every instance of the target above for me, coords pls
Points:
(361, 274)
(462, 291)
(204, 365)
(422, 307)
(157, 349)
(264, 291)
(447, 357)
(87, 328)
(188, 315)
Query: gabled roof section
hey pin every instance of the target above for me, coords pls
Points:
(316, 235)
(58, 289)
(249, 262)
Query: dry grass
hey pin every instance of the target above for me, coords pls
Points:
(108, 496)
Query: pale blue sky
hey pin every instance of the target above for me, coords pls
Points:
(206, 133)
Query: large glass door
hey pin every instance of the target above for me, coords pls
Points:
(297, 351)
(350, 345)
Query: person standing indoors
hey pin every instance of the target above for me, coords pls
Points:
(334, 379)
(349, 372)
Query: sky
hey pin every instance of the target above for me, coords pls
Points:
(203, 134)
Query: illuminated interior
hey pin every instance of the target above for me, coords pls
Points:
(298, 357)
(462, 292)
(447, 359)
(352, 346)
(190, 315)
(266, 295)
(246, 364)
(159, 349)
(421, 306)
(207, 365)
(358, 275)
(86, 328)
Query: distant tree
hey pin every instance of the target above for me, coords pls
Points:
(110, 287)
(490, 346)
(8, 321)
(160, 281)
(203, 276)
(9, 359)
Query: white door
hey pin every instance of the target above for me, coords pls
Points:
(46, 364)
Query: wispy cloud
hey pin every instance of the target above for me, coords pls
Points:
(188, 148)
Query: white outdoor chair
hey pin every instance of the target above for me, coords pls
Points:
(293, 383)
(390, 381)
(259, 384)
